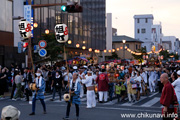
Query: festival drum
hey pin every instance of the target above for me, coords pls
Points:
(67, 97)
(32, 86)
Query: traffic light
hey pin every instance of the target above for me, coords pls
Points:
(25, 46)
(72, 8)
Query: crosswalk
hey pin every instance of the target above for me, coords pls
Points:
(152, 100)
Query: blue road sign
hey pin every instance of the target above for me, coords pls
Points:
(42, 52)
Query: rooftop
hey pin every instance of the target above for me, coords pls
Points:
(124, 37)
(144, 16)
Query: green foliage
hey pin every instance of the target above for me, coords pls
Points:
(140, 57)
(54, 49)
(166, 55)
(114, 55)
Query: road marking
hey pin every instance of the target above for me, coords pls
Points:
(151, 102)
(130, 104)
(153, 94)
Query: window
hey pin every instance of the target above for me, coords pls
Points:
(146, 20)
(138, 31)
(138, 20)
(127, 45)
(136, 47)
(153, 30)
(143, 30)
(139, 46)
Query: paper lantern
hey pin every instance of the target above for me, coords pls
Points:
(25, 29)
(77, 45)
(105, 51)
(61, 32)
(90, 49)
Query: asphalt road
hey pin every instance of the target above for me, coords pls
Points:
(148, 107)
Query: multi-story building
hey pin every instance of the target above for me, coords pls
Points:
(86, 28)
(169, 43)
(109, 31)
(146, 31)
(8, 52)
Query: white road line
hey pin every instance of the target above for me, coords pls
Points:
(151, 102)
(130, 104)
(153, 94)
(110, 102)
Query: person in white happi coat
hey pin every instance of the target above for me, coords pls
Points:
(152, 80)
(81, 74)
(88, 80)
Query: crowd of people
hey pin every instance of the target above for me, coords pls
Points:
(96, 81)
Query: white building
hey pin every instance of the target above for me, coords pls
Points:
(146, 31)
(143, 24)
(109, 31)
(169, 43)
(156, 35)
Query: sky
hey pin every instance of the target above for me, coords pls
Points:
(165, 11)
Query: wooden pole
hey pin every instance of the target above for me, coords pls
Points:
(30, 50)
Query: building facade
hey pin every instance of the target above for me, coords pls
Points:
(8, 52)
(109, 31)
(170, 43)
(146, 31)
(131, 43)
(86, 28)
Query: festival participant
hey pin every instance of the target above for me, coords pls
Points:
(39, 93)
(10, 113)
(143, 74)
(130, 90)
(152, 78)
(88, 80)
(57, 84)
(138, 80)
(81, 74)
(75, 93)
(102, 81)
(168, 97)
(176, 85)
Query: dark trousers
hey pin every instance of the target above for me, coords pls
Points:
(34, 104)
(68, 109)
(110, 95)
(27, 94)
(59, 91)
(65, 83)
(118, 97)
(160, 86)
(13, 89)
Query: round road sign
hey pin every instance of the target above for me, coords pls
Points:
(42, 44)
(42, 52)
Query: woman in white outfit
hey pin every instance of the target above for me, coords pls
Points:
(152, 78)
(88, 80)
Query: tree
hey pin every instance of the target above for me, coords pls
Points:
(165, 54)
(114, 55)
(140, 57)
(54, 49)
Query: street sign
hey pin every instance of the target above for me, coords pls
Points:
(61, 32)
(36, 48)
(27, 13)
(42, 52)
(42, 43)
(19, 47)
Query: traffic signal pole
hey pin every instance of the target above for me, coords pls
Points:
(30, 59)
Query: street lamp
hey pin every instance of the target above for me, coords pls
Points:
(124, 41)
